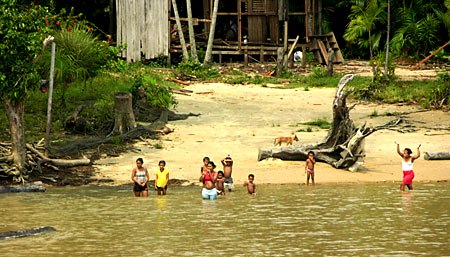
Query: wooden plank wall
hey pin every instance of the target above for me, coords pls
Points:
(143, 25)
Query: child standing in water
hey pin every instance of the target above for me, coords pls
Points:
(162, 178)
(309, 167)
(219, 183)
(407, 166)
(140, 177)
(251, 187)
(227, 163)
(205, 163)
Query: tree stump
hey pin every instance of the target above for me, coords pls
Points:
(344, 144)
(123, 111)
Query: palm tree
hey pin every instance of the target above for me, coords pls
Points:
(362, 29)
(79, 56)
(417, 28)
(208, 54)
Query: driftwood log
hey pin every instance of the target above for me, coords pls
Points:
(342, 148)
(35, 160)
(25, 232)
(437, 156)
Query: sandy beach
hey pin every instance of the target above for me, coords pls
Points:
(236, 120)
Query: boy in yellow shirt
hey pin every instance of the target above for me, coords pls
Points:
(162, 178)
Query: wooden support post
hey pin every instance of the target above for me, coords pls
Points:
(304, 55)
(330, 61)
(239, 24)
(290, 51)
(280, 55)
(261, 54)
(246, 56)
(50, 97)
(285, 36)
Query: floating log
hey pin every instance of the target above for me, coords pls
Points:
(25, 232)
(437, 156)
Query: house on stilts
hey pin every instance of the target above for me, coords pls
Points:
(245, 29)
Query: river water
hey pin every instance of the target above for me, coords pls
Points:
(281, 220)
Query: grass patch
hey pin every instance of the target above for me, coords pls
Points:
(374, 114)
(321, 123)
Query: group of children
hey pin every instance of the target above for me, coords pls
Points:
(216, 183)
(220, 182)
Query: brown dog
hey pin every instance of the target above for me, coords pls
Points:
(287, 140)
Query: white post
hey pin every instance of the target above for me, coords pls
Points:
(50, 97)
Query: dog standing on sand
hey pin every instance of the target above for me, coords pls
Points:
(287, 140)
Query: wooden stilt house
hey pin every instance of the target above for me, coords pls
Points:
(245, 28)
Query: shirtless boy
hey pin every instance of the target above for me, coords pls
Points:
(251, 187)
(309, 167)
(219, 183)
(227, 163)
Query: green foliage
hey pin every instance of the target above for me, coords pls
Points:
(116, 64)
(364, 27)
(379, 75)
(79, 55)
(159, 62)
(321, 123)
(158, 145)
(428, 93)
(197, 70)
(418, 28)
(21, 33)
(156, 94)
(318, 71)
(440, 94)
(442, 55)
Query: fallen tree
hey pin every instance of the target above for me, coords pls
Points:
(344, 144)
(437, 156)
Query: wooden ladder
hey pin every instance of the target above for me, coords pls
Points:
(320, 45)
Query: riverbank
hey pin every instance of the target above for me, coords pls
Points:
(236, 120)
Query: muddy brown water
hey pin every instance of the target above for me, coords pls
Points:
(281, 220)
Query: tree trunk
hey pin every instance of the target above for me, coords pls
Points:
(124, 116)
(386, 62)
(191, 32)
(15, 113)
(344, 144)
(180, 31)
(208, 55)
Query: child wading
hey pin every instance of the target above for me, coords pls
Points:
(227, 163)
(407, 166)
(309, 167)
(162, 178)
(251, 186)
